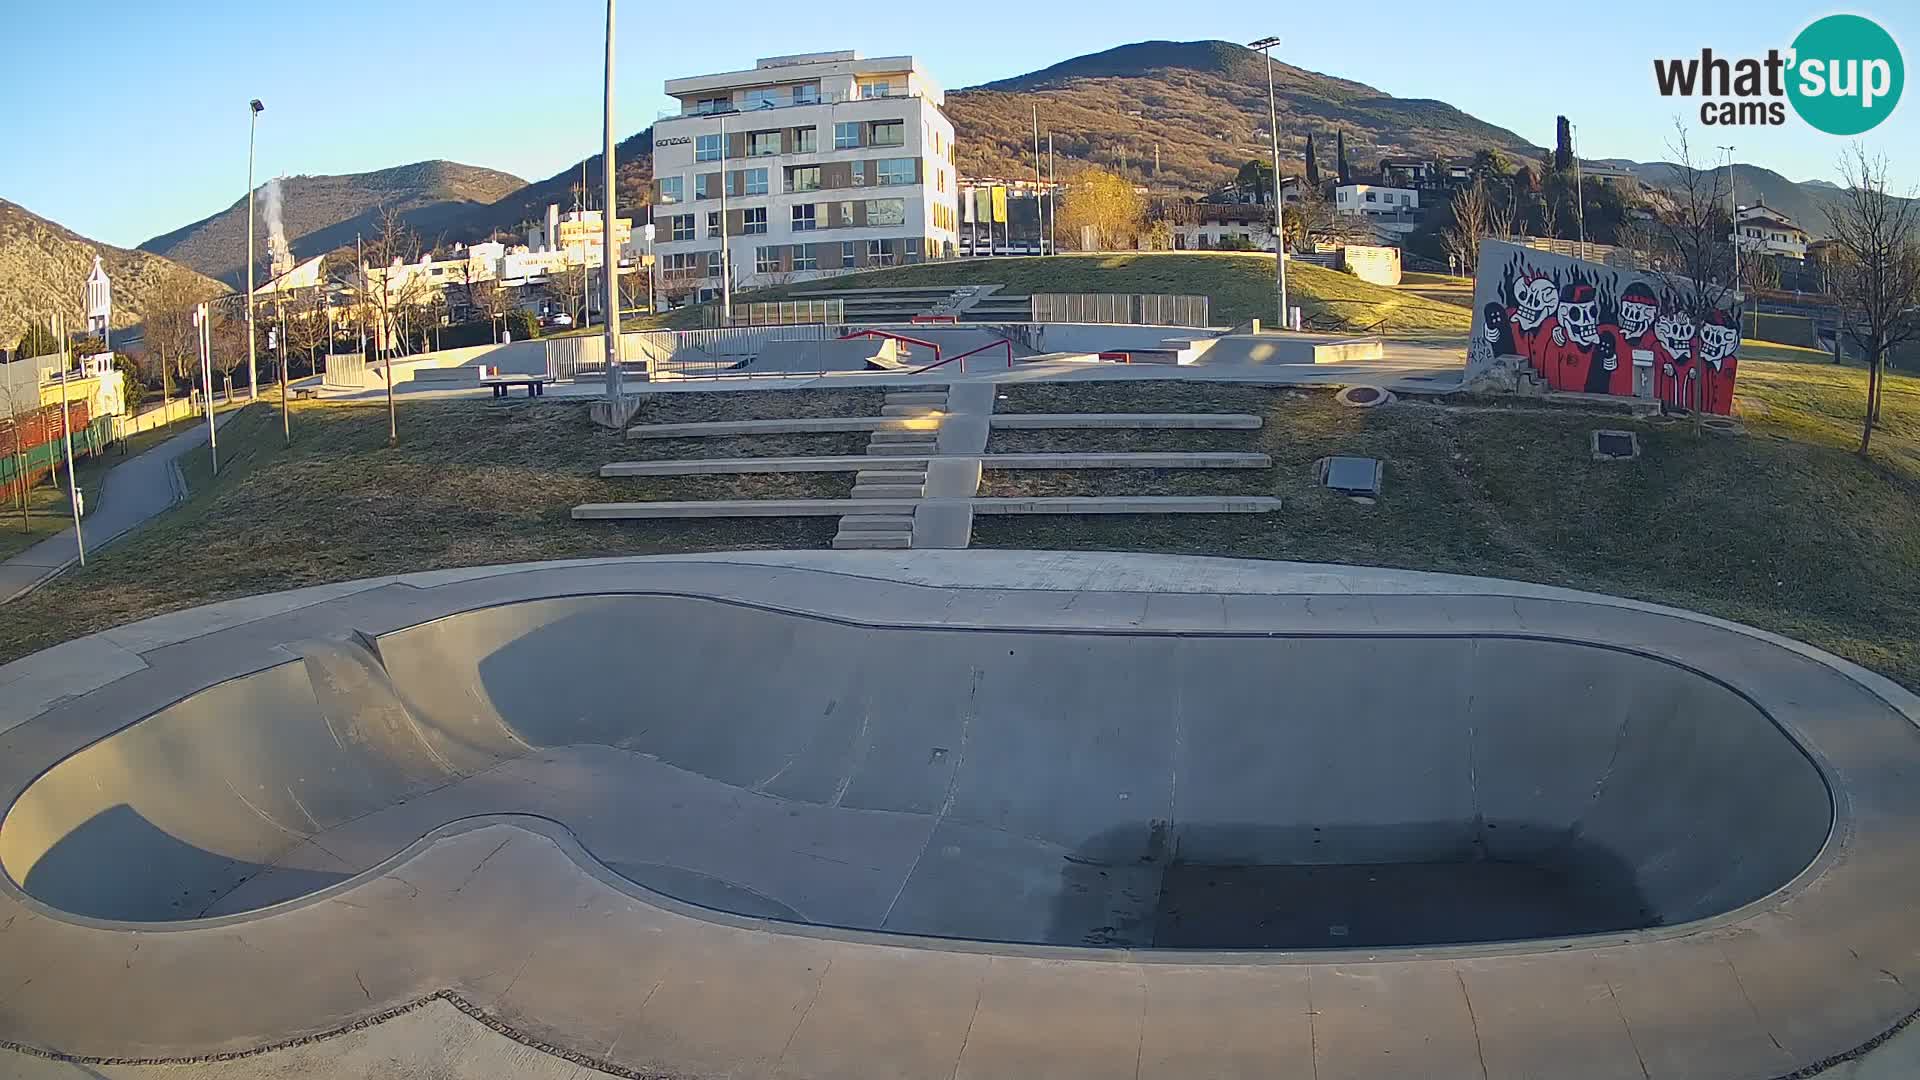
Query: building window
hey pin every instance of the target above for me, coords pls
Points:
(673, 189)
(683, 226)
(763, 143)
(803, 178)
(879, 253)
(806, 94)
(803, 218)
(766, 260)
(849, 253)
(804, 257)
(764, 97)
(886, 211)
(897, 170)
(876, 90)
(1370, 197)
(713, 223)
(754, 220)
(713, 105)
(753, 182)
(706, 148)
(679, 262)
(706, 185)
(939, 180)
(846, 136)
(887, 133)
(805, 140)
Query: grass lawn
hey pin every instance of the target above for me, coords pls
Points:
(1239, 284)
(1441, 288)
(1783, 528)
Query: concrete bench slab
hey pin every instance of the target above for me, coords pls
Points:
(1171, 460)
(908, 462)
(1137, 421)
(804, 425)
(708, 466)
(735, 508)
(1137, 504)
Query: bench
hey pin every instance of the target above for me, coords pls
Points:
(536, 384)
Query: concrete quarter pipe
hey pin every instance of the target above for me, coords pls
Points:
(1475, 822)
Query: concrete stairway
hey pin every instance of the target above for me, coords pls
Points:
(905, 481)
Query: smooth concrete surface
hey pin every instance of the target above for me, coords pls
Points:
(796, 426)
(1389, 703)
(1131, 421)
(1130, 504)
(859, 462)
(734, 508)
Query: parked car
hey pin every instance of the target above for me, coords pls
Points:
(559, 318)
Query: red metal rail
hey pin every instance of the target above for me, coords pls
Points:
(1008, 342)
(898, 337)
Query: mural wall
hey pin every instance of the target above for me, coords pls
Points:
(1590, 328)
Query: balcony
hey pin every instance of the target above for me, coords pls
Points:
(690, 113)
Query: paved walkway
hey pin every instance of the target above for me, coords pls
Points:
(133, 491)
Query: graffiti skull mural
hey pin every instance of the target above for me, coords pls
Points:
(1638, 309)
(1675, 331)
(1537, 300)
(1579, 314)
(1717, 341)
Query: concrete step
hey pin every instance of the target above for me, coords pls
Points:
(917, 397)
(916, 477)
(873, 542)
(912, 449)
(888, 491)
(919, 435)
(876, 523)
(891, 409)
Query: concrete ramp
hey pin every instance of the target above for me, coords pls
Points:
(1141, 789)
(1274, 348)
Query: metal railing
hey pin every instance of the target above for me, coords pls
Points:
(1138, 309)
(675, 351)
(784, 313)
(889, 335)
(962, 358)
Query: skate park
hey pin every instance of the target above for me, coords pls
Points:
(957, 813)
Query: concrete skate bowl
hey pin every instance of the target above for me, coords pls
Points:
(1136, 789)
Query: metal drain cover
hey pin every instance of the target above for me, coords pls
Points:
(1615, 446)
(1353, 475)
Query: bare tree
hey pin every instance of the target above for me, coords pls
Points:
(493, 298)
(390, 293)
(1876, 270)
(1550, 211)
(1477, 215)
(171, 335)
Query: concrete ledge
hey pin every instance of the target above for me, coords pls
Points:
(1139, 504)
(1334, 352)
(1183, 460)
(739, 508)
(707, 466)
(1139, 421)
(798, 426)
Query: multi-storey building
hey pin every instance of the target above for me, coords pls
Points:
(825, 163)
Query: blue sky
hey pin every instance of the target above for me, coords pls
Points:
(152, 134)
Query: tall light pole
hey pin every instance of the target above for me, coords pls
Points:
(610, 255)
(1579, 187)
(1733, 198)
(726, 253)
(1266, 45)
(254, 109)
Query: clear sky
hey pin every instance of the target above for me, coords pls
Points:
(123, 119)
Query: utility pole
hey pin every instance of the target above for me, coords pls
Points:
(1734, 198)
(610, 256)
(20, 449)
(203, 320)
(1579, 187)
(1266, 45)
(726, 258)
(1053, 208)
(66, 426)
(280, 317)
(254, 109)
(1040, 218)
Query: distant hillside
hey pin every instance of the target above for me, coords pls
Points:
(528, 203)
(1204, 104)
(44, 268)
(1806, 203)
(324, 212)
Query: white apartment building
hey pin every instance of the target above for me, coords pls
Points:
(1374, 200)
(829, 162)
(1767, 231)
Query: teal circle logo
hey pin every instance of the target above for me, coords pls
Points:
(1847, 74)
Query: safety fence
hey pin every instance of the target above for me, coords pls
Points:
(1139, 309)
(344, 371)
(781, 313)
(31, 443)
(676, 352)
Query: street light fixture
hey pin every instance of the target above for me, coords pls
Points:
(1265, 45)
(254, 109)
(1733, 198)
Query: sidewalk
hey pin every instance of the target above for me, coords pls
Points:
(131, 492)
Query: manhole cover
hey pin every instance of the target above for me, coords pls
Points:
(1353, 475)
(1363, 397)
(1615, 446)
(1364, 394)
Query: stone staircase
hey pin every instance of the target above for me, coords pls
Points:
(905, 481)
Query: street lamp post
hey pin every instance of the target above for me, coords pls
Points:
(254, 109)
(1265, 45)
(1734, 234)
(610, 251)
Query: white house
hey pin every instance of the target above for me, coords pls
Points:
(1766, 231)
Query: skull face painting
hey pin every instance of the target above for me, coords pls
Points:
(1719, 342)
(1579, 314)
(1675, 331)
(1638, 309)
(1537, 300)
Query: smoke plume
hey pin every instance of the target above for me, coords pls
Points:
(282, 255)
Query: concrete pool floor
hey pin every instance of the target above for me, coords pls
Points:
(510, 925)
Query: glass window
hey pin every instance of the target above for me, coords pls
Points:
(715, 104)
(804, 256)
(766, 260)
(673, 189)
(763, 143)
(846, 213)
(887, 133)
(1370, 197)
(803, 218)
(846, 136)
(805, 140)
(876, 89)
(754, 220)
(706, 185)
(713, 223)
(683, 226)
(765, 97)
(806, 94)
(849, 252)
(804, 178)
(753, 182)
(897, 170)
(879, 253)
(886, 211)
(706, 148)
